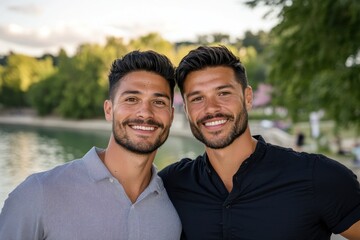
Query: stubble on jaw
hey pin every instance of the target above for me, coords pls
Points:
(240, 124)
(140, 147)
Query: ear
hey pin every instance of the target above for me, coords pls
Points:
(108, 110)
(248, 97)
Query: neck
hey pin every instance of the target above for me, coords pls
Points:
(227, 161)
(132, 170)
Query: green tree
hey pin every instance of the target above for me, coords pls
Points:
(20, 72)
(83, 93)
(315, 58)
(203, 39)
(45, 96)
(255, 67)
(221, 38)
(154, 41)
(182, 50)
(259, 40)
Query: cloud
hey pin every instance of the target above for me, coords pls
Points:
(69, 37)
(29, 9)
(46, 36)
(136, 29)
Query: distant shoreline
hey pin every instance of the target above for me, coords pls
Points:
(177, 128)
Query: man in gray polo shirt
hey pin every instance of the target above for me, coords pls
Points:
(111, 193)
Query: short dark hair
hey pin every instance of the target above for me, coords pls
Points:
(136, 61)
(210, 56)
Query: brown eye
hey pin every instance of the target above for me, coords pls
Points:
(196, 99)
(224, 93)
(131, 100)
(159, 103)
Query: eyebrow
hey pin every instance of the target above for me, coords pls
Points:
(225, 86)
(192, 94)
(217, 88)
(136, 92)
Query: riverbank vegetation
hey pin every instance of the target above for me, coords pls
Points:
(76, 86)
(311, 59)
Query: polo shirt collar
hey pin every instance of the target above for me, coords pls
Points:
(98, 171)
(96, 168)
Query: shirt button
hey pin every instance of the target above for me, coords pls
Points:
(228, 206)
(111, 180)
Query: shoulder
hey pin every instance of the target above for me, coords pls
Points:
(331, 172)
(23, 203)
(37, 180)
(316, 167)
(36, 183)
(28, 189)
(64, 171)
(287, 157)
(183, 167)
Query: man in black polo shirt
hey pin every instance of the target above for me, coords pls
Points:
(243, 187)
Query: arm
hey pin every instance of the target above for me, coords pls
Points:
(20, 216)
(353, 233)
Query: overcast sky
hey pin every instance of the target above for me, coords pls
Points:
(37, 26)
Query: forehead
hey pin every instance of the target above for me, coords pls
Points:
(143, 82)
(211, 77)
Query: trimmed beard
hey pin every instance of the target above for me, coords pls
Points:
(144, 147)
(240, 126)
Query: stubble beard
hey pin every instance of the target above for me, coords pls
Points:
(239, 127)
(140, 147)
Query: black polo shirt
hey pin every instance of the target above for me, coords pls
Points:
(277, 194)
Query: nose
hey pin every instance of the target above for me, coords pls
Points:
(144, 110)
(211, 105)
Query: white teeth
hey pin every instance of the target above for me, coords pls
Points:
(215, 123)
(143, 128)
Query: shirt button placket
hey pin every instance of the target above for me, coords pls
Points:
(226, 220)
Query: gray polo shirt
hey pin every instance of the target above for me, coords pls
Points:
(82, 200)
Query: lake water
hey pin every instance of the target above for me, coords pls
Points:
(26, 150)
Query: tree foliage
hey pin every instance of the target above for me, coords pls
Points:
(255, 67)
(19, 74)
(76, 86)
(83, 94)
(46, 95)
(259, 40)
(315, 57)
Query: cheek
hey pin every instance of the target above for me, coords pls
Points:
(121, 112)
(194, 113)
(164, 114)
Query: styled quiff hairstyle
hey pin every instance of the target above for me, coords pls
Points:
(210, 56)
(150, 61)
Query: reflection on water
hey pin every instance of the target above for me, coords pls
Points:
(26, 150)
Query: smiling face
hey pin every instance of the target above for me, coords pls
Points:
(216, 106)
(141, 112)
